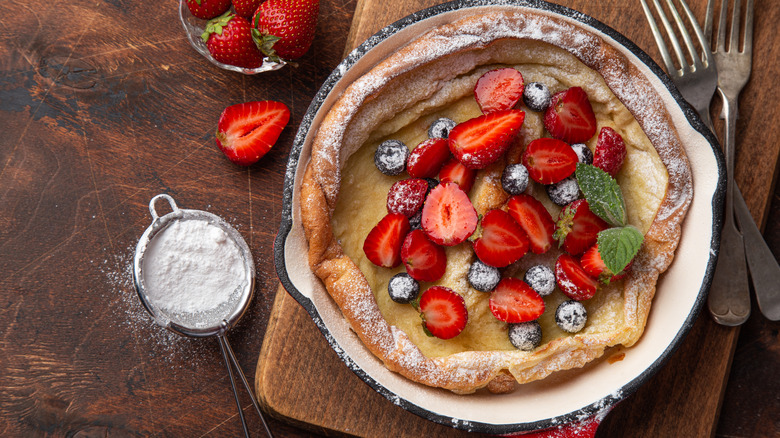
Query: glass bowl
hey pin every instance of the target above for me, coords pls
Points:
(194, 27)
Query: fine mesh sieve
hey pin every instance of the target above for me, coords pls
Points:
(215, 321)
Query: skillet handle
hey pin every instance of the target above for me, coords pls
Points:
(581, 429)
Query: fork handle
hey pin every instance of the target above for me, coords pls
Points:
(729, 297)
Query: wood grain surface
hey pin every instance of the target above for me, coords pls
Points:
(104, 104)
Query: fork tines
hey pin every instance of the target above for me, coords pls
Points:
(700, 57)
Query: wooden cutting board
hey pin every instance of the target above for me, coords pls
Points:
(300, 380)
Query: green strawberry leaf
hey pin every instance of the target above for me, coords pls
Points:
(265, 43)
(602, 193)
(618, 246)
(215, 25)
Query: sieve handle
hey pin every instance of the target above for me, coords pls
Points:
(228, 351)
(154, 200)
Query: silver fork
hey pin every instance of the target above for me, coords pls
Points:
(735, 66)
(729, 296)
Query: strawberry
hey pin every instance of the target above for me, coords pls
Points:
(570, 116)
(502, 241)
(229, 40)
(383, 243)
(549, 160)
(610, 151)
(573, 281)
(423, 259)
(426, 158)
(208, 9)
(246, 8)
(285, 28)
(594, 265)
(454, 171)
(443, 312)
(534, 219)
(480, 141)
(407, 196)
(448, 217)
(578, 227)
(499, 90)
(246, 131)
(514, 301)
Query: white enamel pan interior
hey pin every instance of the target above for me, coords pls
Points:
(569, 396)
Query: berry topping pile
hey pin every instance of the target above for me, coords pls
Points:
(589, 243)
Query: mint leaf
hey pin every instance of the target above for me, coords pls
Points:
(602, 193)
(618, 246)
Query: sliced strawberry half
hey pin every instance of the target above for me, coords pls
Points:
(594, 265)
(480, 141)
(570, 116)
(407, 196)
(454, 171)
(502, 241)
(578, 227)
(514, 301)
(448, 217)
(423, 259)
(610, 151)
(383, 243)
(426, 158)
(535, 220)
(443, 312)
(499, 90)
(246, 131)
(549, 160)
(573, 281)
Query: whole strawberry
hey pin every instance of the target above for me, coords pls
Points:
(229, 40)
(285, 28)
(246, 8)
(208, 9)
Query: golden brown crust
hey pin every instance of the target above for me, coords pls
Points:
(360, 108)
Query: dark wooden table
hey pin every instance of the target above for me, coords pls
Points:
(103, 105)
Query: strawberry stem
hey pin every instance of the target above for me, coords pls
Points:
(265, 43)
(215, 25)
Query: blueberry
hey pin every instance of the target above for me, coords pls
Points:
(584, 154)
(541, 279)
(403, 288)
(440, 128)
(432, 183)
(390, 157)
(564, 191)
(525, 335)
(514, 179)
(482, 277)
(571, 316)
(536, 96)
(415, 222)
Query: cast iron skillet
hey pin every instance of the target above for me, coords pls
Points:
(712, 206)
